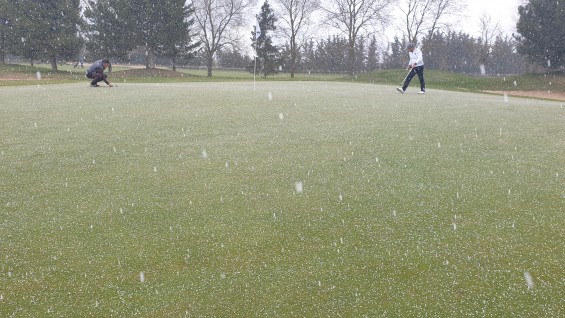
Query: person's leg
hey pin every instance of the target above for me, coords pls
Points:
(420, 72)
(92, 78)
(408, 79)
(98, 77)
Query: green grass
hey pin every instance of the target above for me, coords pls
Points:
(174, 200)
(553, 82)
(17, 75)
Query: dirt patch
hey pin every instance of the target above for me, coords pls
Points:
(125, 74)
(12, 77)
(28, 77)
(532, 94)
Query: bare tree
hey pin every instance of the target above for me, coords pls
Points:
(414, 13)
(426, 16)
(296, 19)
(217, 20)
(441, 9)
(490, 30)
(353, 16)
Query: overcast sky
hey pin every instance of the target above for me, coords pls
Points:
(503, 11)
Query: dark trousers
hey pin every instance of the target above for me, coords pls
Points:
(417, 70)
(97, 77)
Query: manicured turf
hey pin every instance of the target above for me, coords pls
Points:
(315, 199)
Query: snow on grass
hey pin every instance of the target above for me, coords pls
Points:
(407, 206)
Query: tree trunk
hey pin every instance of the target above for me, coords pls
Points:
(54, 62)
(351, 55)
(293, 50)
(209, 64)
(149, 58)
(292, 64)
(2, 45)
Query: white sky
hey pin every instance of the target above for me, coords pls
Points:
(505, 12)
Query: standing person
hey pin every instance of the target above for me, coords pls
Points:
(416, 66)
(96, 73)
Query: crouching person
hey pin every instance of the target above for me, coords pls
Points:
(96, 72)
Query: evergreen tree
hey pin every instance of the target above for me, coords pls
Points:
(285, 57)
(233, 59)
(109, 32)
(319, 56)
(396, 56)
(7, 15)
(360, 55)
(32, 37)
(177, 37)
(372, 58)
(541, 28)
(160, 28)
(48, 29)
(324, 56)
(437, 52)
(149, 27)
(267, 54)
(327, 56)
(504, 59)
(331, 55)
(309, 56)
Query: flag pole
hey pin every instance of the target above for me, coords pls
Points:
(255, 67)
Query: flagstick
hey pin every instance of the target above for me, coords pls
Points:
(255, 67)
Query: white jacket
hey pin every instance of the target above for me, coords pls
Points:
(416, 57)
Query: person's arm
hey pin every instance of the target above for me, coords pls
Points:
(107, 82)
(411, 63)
(105, 77)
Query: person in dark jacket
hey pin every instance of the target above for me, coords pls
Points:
(96, 72)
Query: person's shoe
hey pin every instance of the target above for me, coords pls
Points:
(94, 85)
(400, 90)
(422, 92)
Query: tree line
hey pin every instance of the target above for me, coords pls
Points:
(451, 51)
(209, 33)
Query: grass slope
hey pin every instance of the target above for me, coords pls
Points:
(295, 199)
(459, 82)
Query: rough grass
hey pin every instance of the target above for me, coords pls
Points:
(294, 199)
